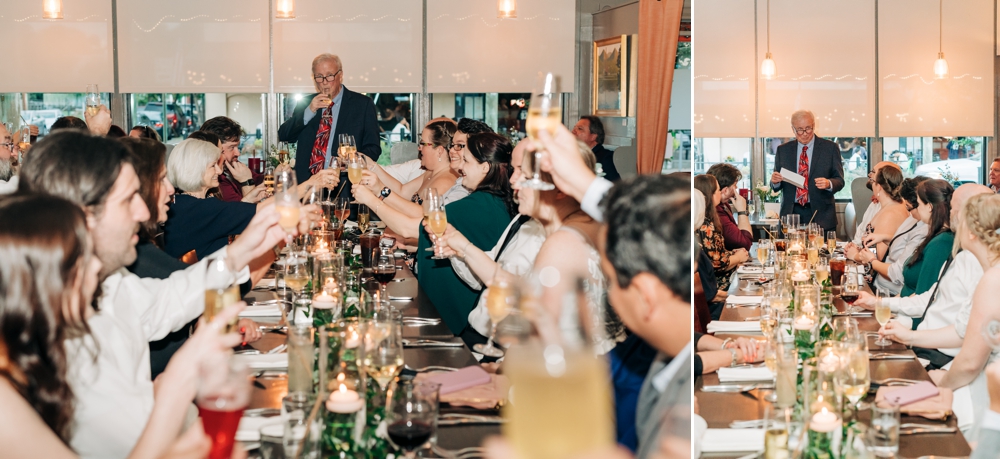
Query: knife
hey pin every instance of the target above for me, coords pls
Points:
(431, 343)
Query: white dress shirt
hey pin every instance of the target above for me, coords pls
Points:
(518, 257)
(873, 209)
(591, 202)
(954, 298)
(899, 253)
(108, 369)
(9, 186)
(405, 172)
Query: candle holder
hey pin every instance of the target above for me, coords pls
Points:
(799, 268)
(806, 318)
(329, 299)
(825, 432)
(343, 385)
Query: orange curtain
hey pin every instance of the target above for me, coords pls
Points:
(659, 26)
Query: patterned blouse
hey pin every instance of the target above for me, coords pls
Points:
(714, 245)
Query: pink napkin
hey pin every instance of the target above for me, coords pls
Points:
(481, 397)
(937, 407)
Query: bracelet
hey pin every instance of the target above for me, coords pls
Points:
(377, 207)
(466, 246)
(726, 342)
(734, 362)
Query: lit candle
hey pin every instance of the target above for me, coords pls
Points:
(324, 301)
(804, 323)
(824, 421)
(800, 276)
(353, 341)
(829, 363)
(807, 306)
(344, 400)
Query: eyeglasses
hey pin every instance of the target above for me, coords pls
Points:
(804, 130)
(8, 145)
(425, 144)
(457, 147)
(328, 78)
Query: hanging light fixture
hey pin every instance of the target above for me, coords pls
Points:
(286, 9)
(940, 65)
(52, 9)
(767, 69)
(507, 9)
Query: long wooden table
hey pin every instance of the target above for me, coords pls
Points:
(273, 387)
(720, 409)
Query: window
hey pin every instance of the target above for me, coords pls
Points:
(173, 116)
(678, 154)
(709, 151)
(43, 109)
(956, 159)
(853, 153)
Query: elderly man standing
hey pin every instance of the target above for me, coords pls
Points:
(819, 162)
(590, 130)
(321, 118)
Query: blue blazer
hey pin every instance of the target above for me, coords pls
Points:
(826, 163)
(357, 117)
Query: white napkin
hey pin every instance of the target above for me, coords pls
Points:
(266, 283)
(740, 374)
(264, 310)
(754, 269)
(732, 440)
(262, 361)
(698, 428)
(717, 326)
(249, 429)
(744, 299)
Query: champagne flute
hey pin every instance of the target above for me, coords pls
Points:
(297, 276)
(356, 165)
(853, 377)
(25, 141)
(438, 221)
(771, 360)
(364, 218)
(286, 198)
(223, 394)
(763, 251)
(544, 112)
(882, 315)
(831, 241)
(384, 348)
(499, 298)
(220, 291)
(93, 99)
(412, 414)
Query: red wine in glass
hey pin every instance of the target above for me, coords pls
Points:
(384, 275)
(409, 435)
(850, 298)
(220, 426)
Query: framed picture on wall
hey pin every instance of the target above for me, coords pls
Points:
(610, 78)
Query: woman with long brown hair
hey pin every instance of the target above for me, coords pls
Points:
(710, 234)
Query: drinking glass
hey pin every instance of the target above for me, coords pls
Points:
(776, 423)
(300, 358)
(780, 245)
(369, 248)
(384, 270)
(342, 208)
(822, 269)
(786, 376)
(437, 219)
(25, 139)
(412, 414)
(364, 218)
(789, 223)
(831, 241)
(220, 291)
(771, 346)
(845, 329)
(850, 290)
(297, 275)
(499, 298)
(269, 180)
(431, 200)
(93, 99)
(383, 348)
(223, 393)
(544, 112)
(286, 199)
(853, 379)
(883, 432)
(763, 251)
(356, 165)
(301, 436)
(882, 315)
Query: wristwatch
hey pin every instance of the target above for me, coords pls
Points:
(743, 213)
(247, 183)
(384, 193)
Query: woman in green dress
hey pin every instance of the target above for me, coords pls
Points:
(921, 270)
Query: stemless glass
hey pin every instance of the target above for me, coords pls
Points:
(223, 394)
(499, 298)
(412, 414)
(544, 112)
(286, 200)
(883, 433)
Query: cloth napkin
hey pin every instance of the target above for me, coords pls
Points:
(269, 283)
(749, 269)
(744, 299)
(264, 310)
(732, 440)
(263, 361)
(482, 397)
(729, 326)
(937, 407)
(740, 374)
(249, 429)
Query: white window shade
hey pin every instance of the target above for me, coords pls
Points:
(912, 103)
(193, 46)
(56, 55)
(469, 50)
(724, 70)
(825, 57)
(379, 42)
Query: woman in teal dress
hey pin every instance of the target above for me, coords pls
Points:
(934, 207)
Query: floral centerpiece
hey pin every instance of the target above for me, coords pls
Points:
(768, 200)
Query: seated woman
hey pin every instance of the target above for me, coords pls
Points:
(49, 278)
(141, 131)
(482, 217)
(714, 353)
(885, 223)
(201, 224)
(566, 244)
(922, 268)
(157, 192)
(724, 261)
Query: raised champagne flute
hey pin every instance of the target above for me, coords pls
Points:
(25, 139)
(286, 199)
(220, 291)
(93, 99)
(544, 112)
(411, 415)
(882, 315)
(437, 219)
(297, 276)
(500, 297)
(355, 169)
(223, 394)
(364, 218)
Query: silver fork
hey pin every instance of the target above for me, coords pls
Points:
(430, 368)
(464, 453)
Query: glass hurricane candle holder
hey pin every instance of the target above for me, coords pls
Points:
(342, 384)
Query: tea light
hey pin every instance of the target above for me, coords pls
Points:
(807, 307)
(829, 362)
(800, 276)
(353, 341)
(804, 323)
(324, 301)
(824, 421)
(344, 400)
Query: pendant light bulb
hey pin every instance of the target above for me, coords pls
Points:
(940, 67)
(506, 9)
(52, 9)
(767, 68)
(286, 9)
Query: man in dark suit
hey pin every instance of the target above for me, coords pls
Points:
(590, 130)
(817, 160)
(319, 119)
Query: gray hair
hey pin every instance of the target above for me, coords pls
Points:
(327, 57)
(798, 115)
(6, 169)
(188, 161)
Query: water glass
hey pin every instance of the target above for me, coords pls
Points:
(301, 436)
(883, 432)
(223, 395)
(300, 359)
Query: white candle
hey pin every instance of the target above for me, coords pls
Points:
(824, 421)
(353, 341)
(800, 276)
(804, 323)
(344, 400)
(807, 306)
(324, 301)
(829, 363)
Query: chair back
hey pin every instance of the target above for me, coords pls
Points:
(626, 161)
(861, 196)
(402, 152)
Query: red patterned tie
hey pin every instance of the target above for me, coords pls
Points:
(322, 141)
(802, 194)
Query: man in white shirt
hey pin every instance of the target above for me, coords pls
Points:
(874, 207)
(8, 150)
(109, 368)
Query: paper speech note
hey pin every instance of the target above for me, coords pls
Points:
(793, 178)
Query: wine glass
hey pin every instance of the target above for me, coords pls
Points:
(383, 348)
(297, 276)
(384, 270)
(220, 290)
(356, 165)
(499, 298)
(223, 394)
(93, 99)
(437, 219)
(850, 290)
(831, 241)
(852, 378)
(364, 218)
(412, 415)
(544, 112)
(882, 315)
(341, 208)
(286, 200)
(763, 251)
